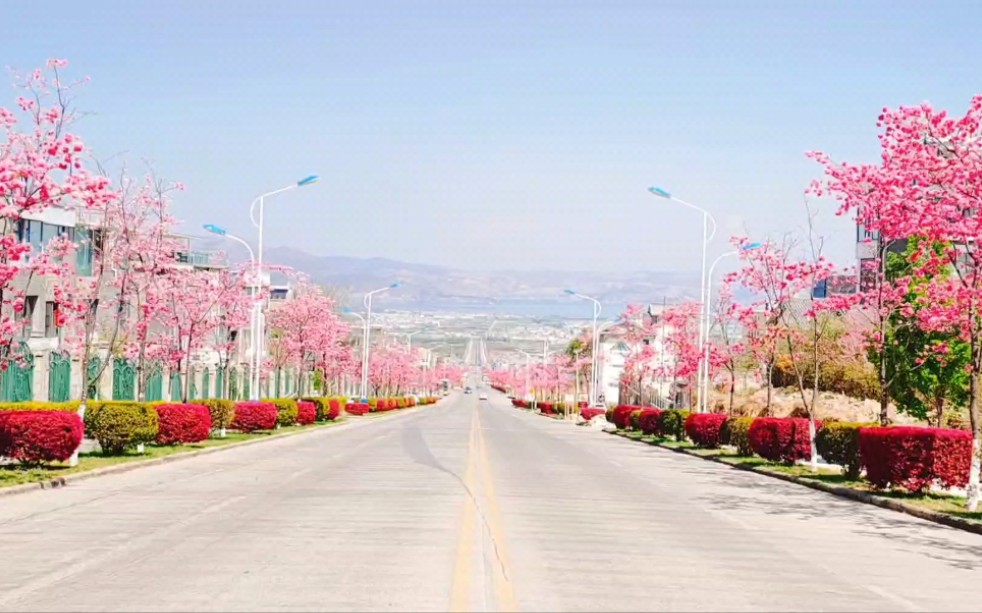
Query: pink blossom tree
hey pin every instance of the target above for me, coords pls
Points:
(927, 184)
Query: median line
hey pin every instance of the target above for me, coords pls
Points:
(504, 591)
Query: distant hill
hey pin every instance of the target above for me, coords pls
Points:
(425, 286)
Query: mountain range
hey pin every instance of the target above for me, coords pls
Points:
(432, 287)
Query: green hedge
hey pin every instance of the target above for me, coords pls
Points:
(673, 423)
(119, 425)
(222, 411)
(636, 420)
(838, 443)
(736, 432)
(286, 410)
(320, 405)
(68, 407)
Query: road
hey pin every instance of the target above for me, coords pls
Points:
(469, 505)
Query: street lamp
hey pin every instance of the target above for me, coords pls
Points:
(368, 335)
(707, 236)
(595, 358)
(409, 338)
(704, 390)
(254, 317)
(348, 311)
(258, 223)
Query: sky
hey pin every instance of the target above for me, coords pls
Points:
(499, 135)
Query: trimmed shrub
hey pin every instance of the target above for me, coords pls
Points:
(838, 443)
(547, 408)
(913, 458)
(118, 425)
(253, 416)
(704, 429)
(66, 407)
(672, 423)
(636, 419)
(357, 408)
(334, 407)
(609, 415)
(320, 406)
(649, 420)
(182, 423)
(286, 410)
(37, 437)
(221, 411)
(780, 439)
(306, 412)
(588, 414)
(736, 432)
(622, 416)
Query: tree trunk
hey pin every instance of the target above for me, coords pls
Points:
(973, 416)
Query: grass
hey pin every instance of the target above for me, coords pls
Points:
(942, 503)
(15, 474)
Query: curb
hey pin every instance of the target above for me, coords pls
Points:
(836, 490)
(60, 482)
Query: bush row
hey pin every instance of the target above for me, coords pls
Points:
(381, 405)
(914, 458)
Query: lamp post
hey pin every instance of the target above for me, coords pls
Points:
(595, 357)
(704, 390)
(254, 316)
(368, 335)
(706, 237)
(364, 326)
(258, 223)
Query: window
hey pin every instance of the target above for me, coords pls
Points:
(27, 315)
(277, 294)
(50, 319)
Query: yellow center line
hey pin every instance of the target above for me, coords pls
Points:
(502, 573)
(461, 587)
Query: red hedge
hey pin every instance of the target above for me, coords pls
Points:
(704, 429)
(589, 414)
(252, 416)
(650, 417)
(334, 409)
(547, 408)
(913, 458)
(306, 412)
(357, 408)
(622, 415)
(34, 437)
(780, 439)
(183, 423)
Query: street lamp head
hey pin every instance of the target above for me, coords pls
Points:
(345, 310)
(394, 285)
(569, 291)
(308, 180)
(660, 192)
(210, 227)
(750, 247)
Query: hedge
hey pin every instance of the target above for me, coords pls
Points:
(357, 408)
(838, 443)
(286, 409)
(781, 439)
(914, 458)
(67, 407)
(649, 420)
(253, 416)
(621, 416)
(306, 412)
(221, 411)
(547, 408)
(183, 423)
(704, 429)
(119, 425)
(37, 437)
(588, 414)
(736, 432)
(672, 423)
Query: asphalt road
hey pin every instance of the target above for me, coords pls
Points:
(470, 505)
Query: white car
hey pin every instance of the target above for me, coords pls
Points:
(483, 396)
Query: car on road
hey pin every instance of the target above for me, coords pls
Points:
(468, 390)
(483, 396)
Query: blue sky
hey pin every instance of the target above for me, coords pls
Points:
(499, 134)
